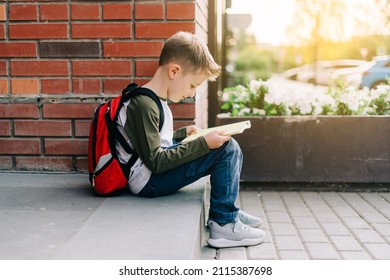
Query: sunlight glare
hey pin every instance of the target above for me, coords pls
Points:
(269, 18)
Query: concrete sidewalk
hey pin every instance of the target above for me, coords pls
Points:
(56, 216)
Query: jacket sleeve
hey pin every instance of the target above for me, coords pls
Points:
(142, 128)
(180, 134)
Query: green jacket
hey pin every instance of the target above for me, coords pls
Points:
(142, 128)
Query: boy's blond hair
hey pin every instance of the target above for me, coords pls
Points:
(191, 53)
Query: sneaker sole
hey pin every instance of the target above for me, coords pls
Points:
(225, 243)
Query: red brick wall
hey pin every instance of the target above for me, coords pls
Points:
(59, 59)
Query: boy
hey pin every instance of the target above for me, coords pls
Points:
(166, 165)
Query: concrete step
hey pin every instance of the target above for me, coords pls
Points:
(56, 216)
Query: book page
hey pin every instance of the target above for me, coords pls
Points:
(230, 129)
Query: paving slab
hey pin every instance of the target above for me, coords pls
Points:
(320, 225)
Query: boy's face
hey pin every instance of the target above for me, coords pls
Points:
(183, 85)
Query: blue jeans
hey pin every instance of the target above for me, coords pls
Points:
(224, 166)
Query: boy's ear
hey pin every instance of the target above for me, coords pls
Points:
(173, 70)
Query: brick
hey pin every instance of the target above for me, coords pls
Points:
(115, 86)
(86, 86)
(335, 229)
(23, 12)
(18, 49)
(179, 124)
(355, 223)
(149, 11)
(380, 204)
(326, 216)
(36, 0)
(102, 68)
(293, 255)
(42, 128)
(38, 31)
(278, 217)
(101, 30)
(272, 202)
(3, 14)
(39, 68)
(368, 236)
(20, 146)
(82, 164)
(161, 29)
(145, 68)
(322, 251)
(355, 255)
(141, 81)
(117, 11)
(288, 243)
(82, 128)
(132, 49)
(183, 111)
(382, 229)
(237, 253)
(311, 235)
(69, 111)
(345, 211)
(85, 12)
(3, 87)
(55, 86)
(18, 110)
(346, 243)
(6, 163)
(379, 251)
(5, 128)
(66, 146)
(181, 10)
(24, 86)
(2, 31)
(44, 163)
(54, 12)
(3, 68)
(266, 251)
(69, 49)
(283, 229)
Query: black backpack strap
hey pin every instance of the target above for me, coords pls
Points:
(114, 131)
(115, 134)
(129, 88)
(132, 90)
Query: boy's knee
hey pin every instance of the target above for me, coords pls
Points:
(234, 147)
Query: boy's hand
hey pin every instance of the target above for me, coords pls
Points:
(215, 139)
(192, 129)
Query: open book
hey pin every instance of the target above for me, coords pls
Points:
(230, 129)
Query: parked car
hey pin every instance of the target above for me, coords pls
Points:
(321, 72)
(351, 76)
(292, 73)
(378, 73)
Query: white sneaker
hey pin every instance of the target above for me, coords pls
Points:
(249, 219)
(246, 219)
(234, 235)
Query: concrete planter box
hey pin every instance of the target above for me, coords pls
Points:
(341, 149)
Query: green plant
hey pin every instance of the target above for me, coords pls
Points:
(270, 98)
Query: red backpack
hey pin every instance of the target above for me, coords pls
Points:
(107, 175)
